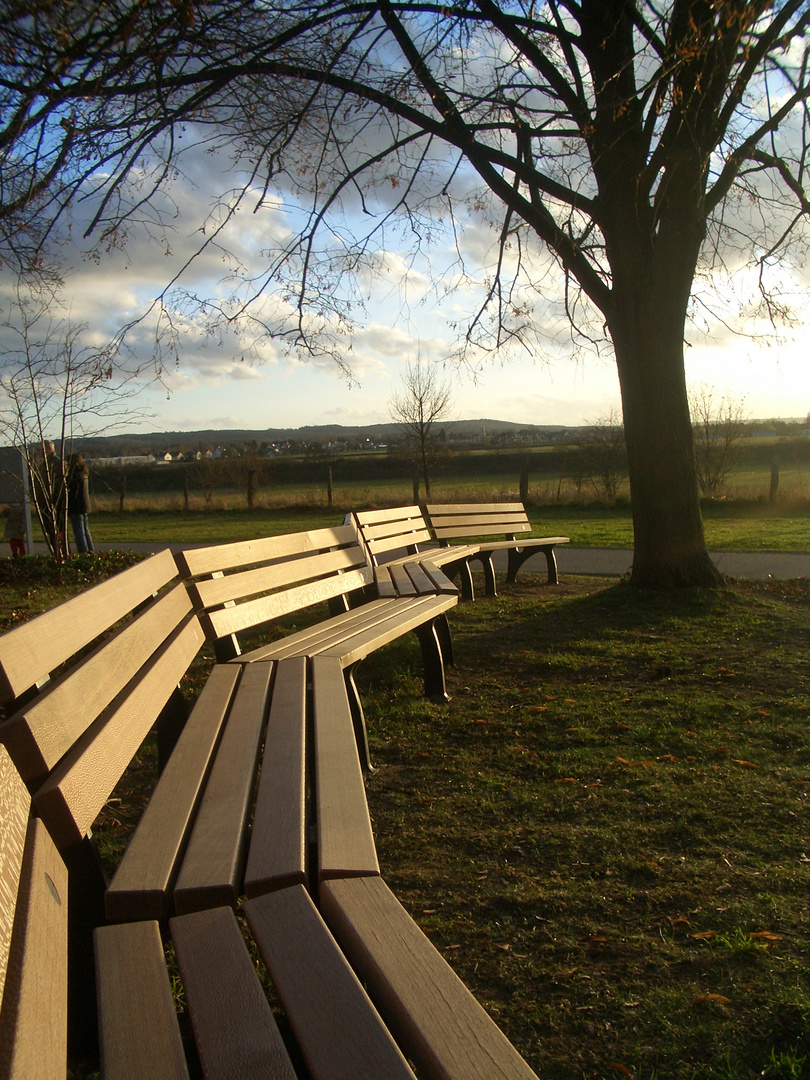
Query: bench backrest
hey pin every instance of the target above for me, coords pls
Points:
(84, 683)
(454, 522)
(241, 586)
(386, 532)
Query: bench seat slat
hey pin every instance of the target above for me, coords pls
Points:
(433, 1015)
(213, 863)
(138, 1031)
(277, 853)
(31, 651)
(339, 1031)
(33, 1017)
(141, 888)
(345, 840)
(311, 639)
(41, 733)
(409, 615)
(234, 1028)
(74, 793)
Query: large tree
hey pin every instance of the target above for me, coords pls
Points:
(634, 140)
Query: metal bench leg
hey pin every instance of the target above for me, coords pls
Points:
(445, 640)
(430, 639)
(358, 718)
(551, 561)
(485, 558)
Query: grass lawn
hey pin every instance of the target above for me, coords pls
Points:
(606, 830)
(749, 527)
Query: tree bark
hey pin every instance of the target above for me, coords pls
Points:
(669, 546)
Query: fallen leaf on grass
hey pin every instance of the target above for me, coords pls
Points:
(719, 998)
(620, 1068)
(704, 935)
(566, 780)
(741, 761)
(766, 935)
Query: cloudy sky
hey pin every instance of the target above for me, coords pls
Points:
(411, 308)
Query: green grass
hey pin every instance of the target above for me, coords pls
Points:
(605, 832)
(728, 528)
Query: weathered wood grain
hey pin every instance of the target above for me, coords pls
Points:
(211, 872)
(278, 836)
(433, 1015)
(345, 840)
(40, 733)
(33, 1017)
(31, 651)
(141, 888)
(74, 793)
(236, 1035)
(138, 1031)
(339, 1031)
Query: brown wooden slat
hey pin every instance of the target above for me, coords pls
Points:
(209, 560)
(345, 840)
(433, 1015)
(236, 1035)
(42, 732)
(15, 803)
(403, 580)
(71, 798)
(138, 1031)
(211, 872)
(337, 1028)
(408, 615)
(395, 513)
(141, 888)
(308, 641)
(277, 853)
(30, 652)
(221, 590)
(474, 508)
(422, 582)
(441, 581)
(33, 1018)
(252, 613)
(520, 543)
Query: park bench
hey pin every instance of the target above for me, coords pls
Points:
(395, 539)
(361, 989)
(241, 588)
(449, 522)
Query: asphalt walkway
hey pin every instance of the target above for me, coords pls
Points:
(602, 562)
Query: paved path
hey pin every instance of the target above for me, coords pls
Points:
(613, 562)
(607, 562)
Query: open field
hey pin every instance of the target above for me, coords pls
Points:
(606, 830)
(740, 527)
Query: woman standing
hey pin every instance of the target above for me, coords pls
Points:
(79, 503)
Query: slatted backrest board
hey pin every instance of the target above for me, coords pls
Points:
(454, 521)
(243, 585)
(30, 652)
(394, 529)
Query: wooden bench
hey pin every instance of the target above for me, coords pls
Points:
(262, 796)
(396, 540)
(449, 522)
(244, 587)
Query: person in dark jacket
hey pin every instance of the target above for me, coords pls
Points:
(79, 503)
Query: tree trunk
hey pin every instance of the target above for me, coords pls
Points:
(669, 547)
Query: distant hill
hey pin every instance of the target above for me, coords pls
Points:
(140, 443)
